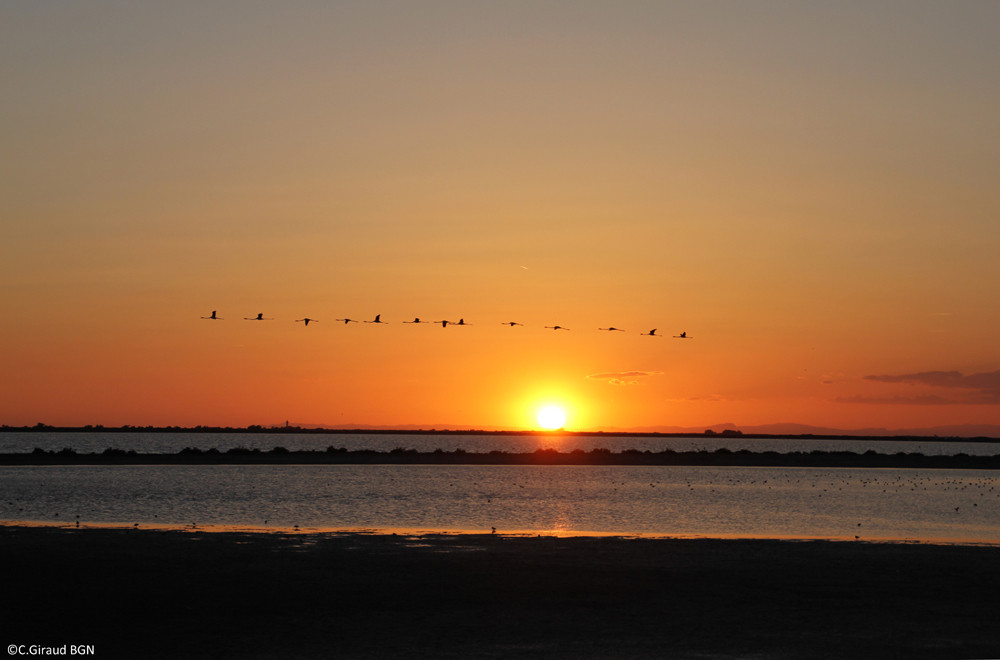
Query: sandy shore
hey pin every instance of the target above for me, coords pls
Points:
(192, 594)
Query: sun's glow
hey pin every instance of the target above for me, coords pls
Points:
(551, 417)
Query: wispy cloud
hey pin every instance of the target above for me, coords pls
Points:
(712, 398)
(624, 377)
(982, 388)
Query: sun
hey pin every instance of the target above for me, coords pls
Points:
(551, 417)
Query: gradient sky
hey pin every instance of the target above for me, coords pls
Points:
(809, 189)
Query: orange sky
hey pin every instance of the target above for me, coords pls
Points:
(808, 189)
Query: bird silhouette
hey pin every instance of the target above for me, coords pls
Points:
(346, 321)
(444, 324)
(378, 319)
(306, 320)
(259, 317)
(651, 333)
(683, 335)
(612, 329)
(462, 322)
(555, 327)
(416, 320)
(213, 317)
(511, 323)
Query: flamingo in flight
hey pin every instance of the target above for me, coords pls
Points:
(555, 327)
(444, 324)
(306, 320)
(213, 317)
(683, 335)
(462, 322)
(612, 329)
(511, 323)
(346, 321)
(416, 320)
(378, 319)
(259, 317)
(651, 333)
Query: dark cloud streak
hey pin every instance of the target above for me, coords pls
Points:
(974, 389)
(928, 400)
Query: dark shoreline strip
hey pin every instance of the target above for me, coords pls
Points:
(158, 594)
(341, 456)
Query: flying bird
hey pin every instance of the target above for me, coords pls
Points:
(259, 317)
(462, 322)
(346, 321)
(511, 323)
(555, 327)
(416, 320)
(683, 335)
(651, 333)
(612, 329)
(444, 324)
(378, 319)
(213, 317)
(306, 320)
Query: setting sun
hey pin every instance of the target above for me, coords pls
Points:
(551, 417)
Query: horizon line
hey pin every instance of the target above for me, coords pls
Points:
(787, 429)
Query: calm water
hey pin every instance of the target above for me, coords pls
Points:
(669, 500)
(174, 442)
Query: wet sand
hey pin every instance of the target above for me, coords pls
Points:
(192, 594)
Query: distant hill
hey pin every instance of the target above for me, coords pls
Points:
(953, 430)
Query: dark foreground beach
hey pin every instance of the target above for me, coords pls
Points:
(190, 594)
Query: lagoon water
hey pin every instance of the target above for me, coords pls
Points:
(872, 504)
(664, 500)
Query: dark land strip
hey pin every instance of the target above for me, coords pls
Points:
(342, 456)
(173, 594)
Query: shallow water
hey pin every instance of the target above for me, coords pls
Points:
(145, 442)
(664, 500)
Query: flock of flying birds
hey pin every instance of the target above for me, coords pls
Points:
(444, 324)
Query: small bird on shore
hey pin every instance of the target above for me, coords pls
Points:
(213, 317)
(378, 319)
(259, 317)
(306, 320)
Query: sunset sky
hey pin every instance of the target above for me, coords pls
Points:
(811, 190)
